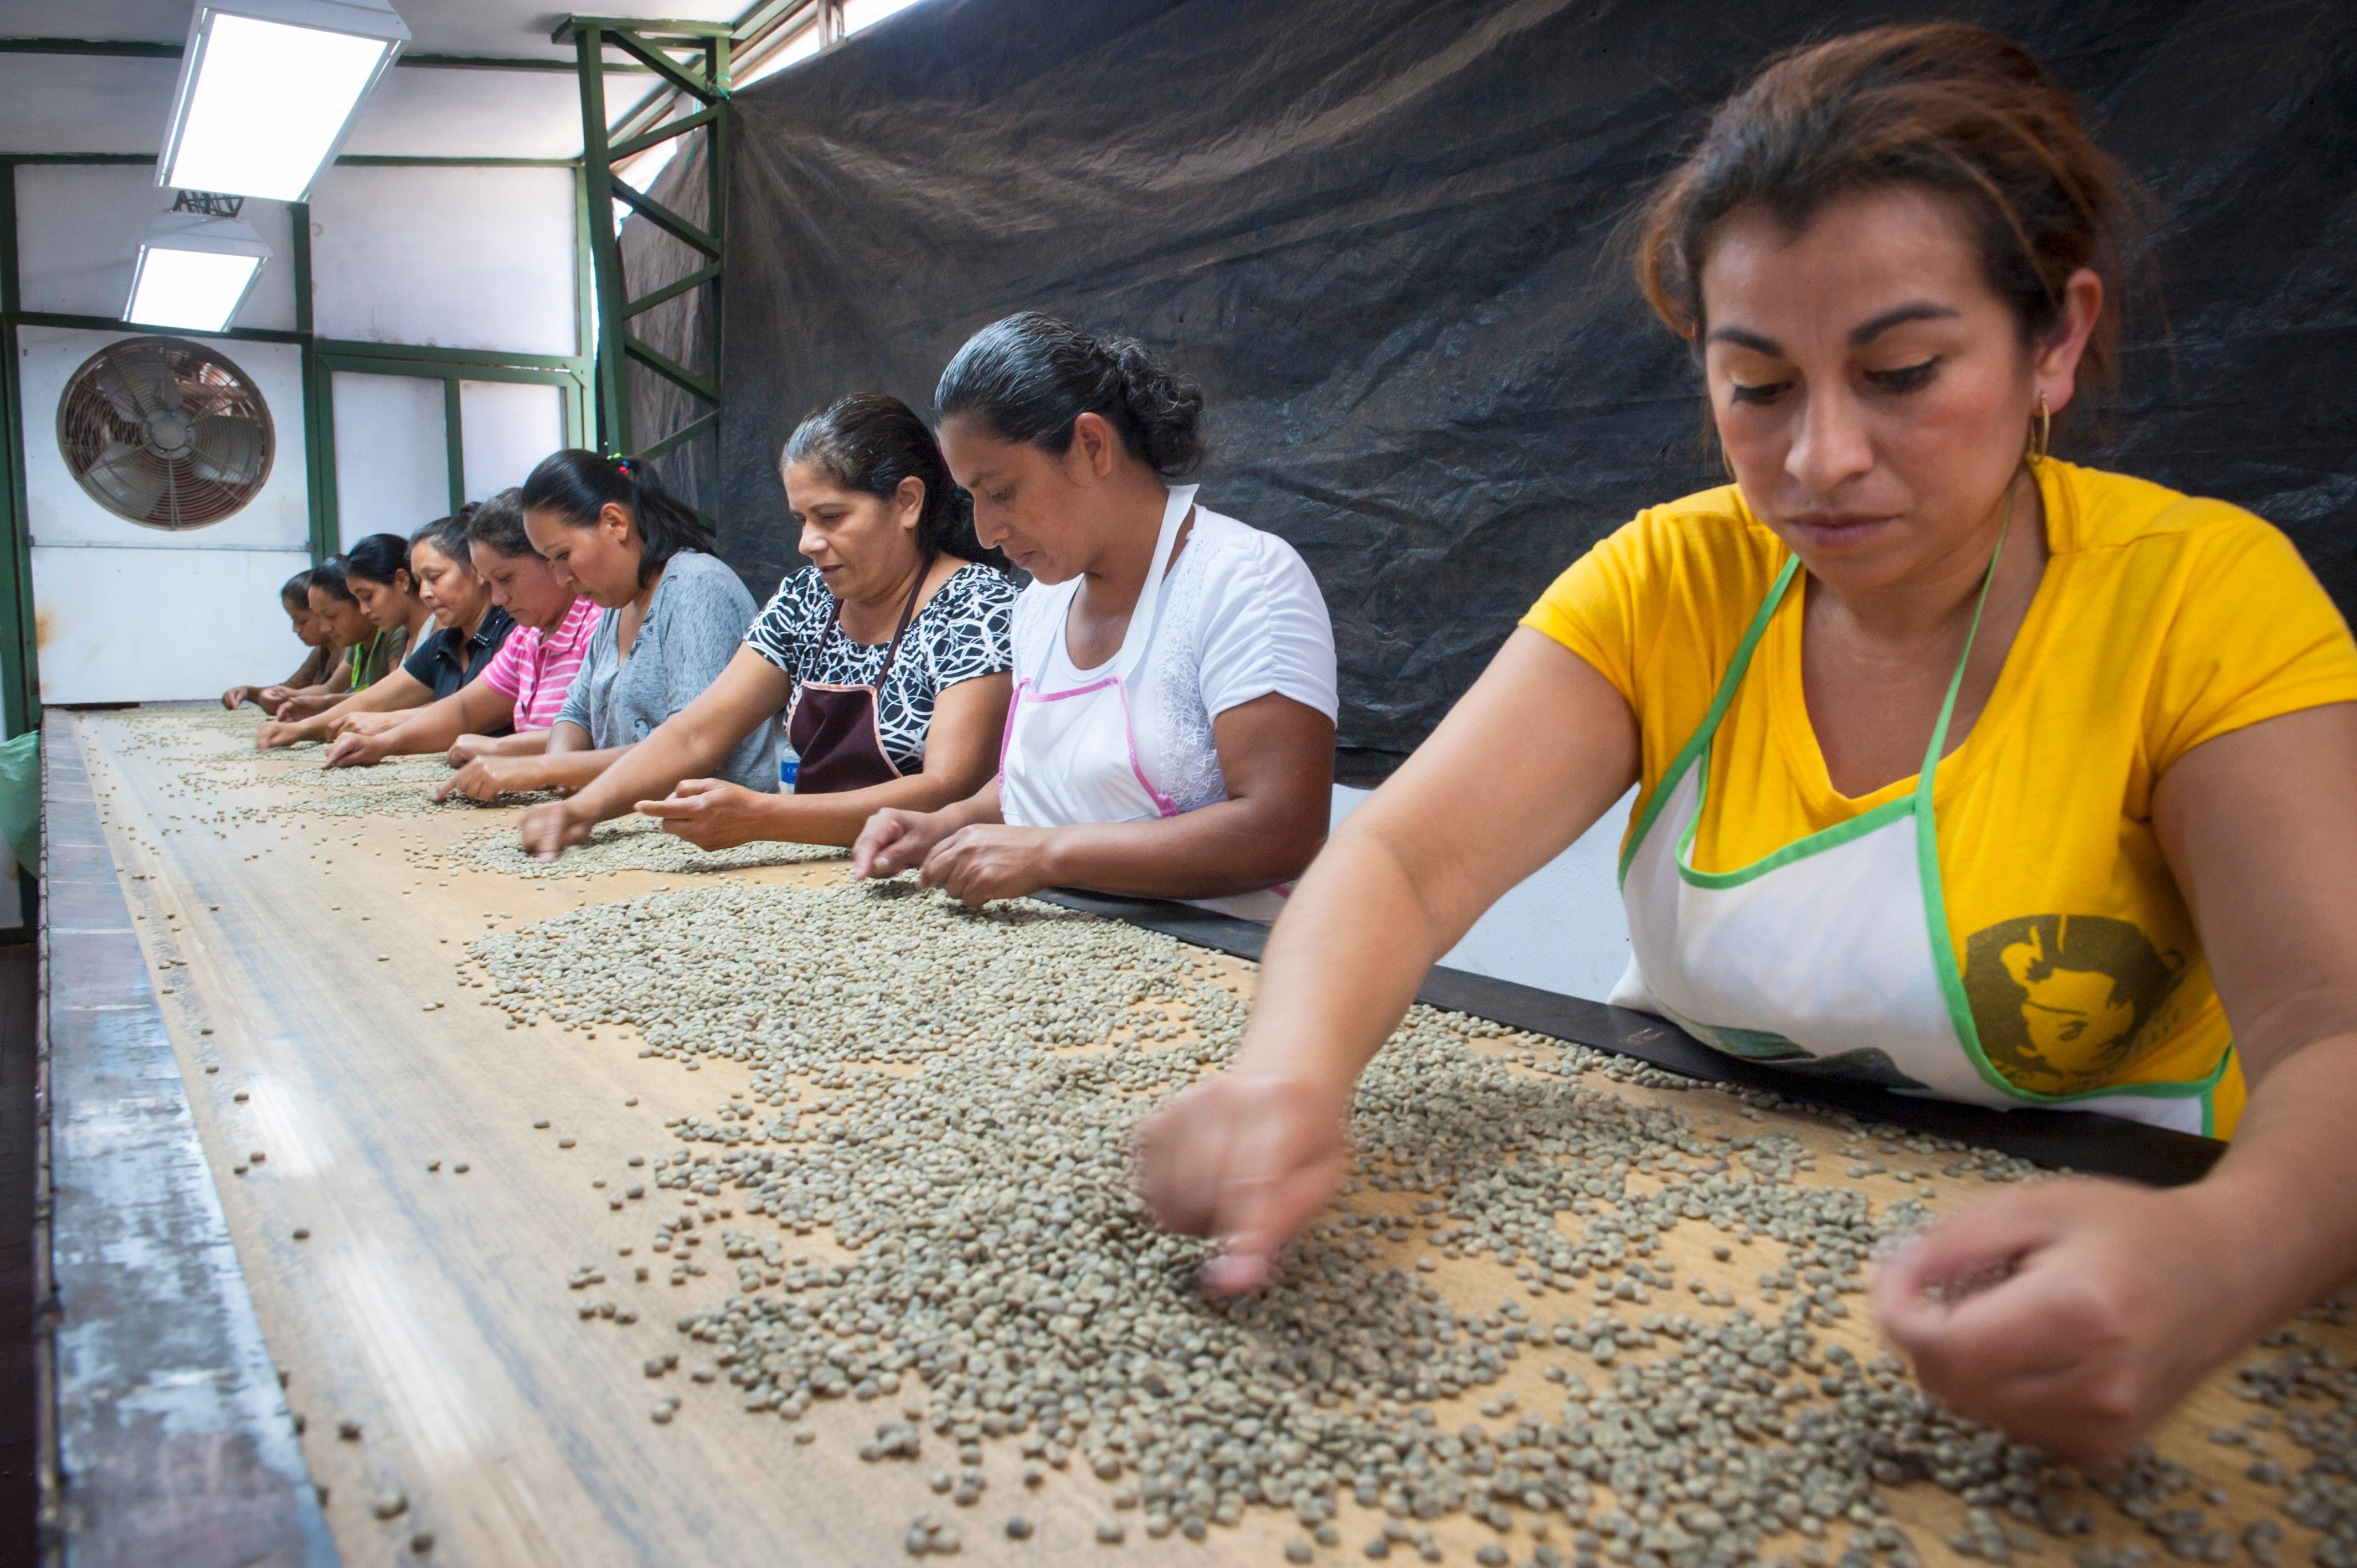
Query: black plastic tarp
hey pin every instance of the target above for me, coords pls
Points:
(1379, 233)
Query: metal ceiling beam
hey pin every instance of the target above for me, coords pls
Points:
(349, 160)
(130, 49)
(748, 33)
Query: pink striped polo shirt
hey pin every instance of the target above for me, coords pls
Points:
(536, 668)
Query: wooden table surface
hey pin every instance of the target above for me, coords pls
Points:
(298, 955)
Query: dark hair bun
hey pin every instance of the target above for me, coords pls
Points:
(1166, 407)
(1029, 376)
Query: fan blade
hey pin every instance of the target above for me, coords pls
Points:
(229, 449)
(121, 391)
(167, 383)
(133, 480)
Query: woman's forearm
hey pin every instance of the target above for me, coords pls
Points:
(837, 818)
(395, 692)
(1342, 965)
(652, 769)
(1217, 851)
(564, 769)
(2294, 1167)
(432, 729)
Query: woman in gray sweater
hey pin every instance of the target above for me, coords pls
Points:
(673, 617)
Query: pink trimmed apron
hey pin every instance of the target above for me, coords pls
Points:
(1070, 756)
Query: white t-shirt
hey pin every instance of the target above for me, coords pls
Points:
(1242, 616)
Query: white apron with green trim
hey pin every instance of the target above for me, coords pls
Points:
(1830, 957)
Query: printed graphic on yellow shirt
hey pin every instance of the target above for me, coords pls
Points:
(2064, 1004)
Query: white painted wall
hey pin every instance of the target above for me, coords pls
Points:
(391, 465)
(439, 257)
(77, 234)
(509, 427)
(161, 625)
(1562, 928)
(453, 258)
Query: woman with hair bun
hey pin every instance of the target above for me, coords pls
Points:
(1962, 771)
(886, 659)
(1171, 733)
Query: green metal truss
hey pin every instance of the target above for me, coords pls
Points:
(703, 83)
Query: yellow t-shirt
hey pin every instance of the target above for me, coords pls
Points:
(2162, 621)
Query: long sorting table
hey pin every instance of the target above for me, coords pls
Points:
(274, 1335)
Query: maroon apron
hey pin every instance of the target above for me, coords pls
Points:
(833, 729)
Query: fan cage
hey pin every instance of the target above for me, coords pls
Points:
(108, 441)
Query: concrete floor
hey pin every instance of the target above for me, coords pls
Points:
(17, 968)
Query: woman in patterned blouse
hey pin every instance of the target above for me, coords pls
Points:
(884, 529)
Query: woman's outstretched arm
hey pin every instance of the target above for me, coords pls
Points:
(1527, 761)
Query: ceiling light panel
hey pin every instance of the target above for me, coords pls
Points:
(195, 291)
(269, 90)
(194, 270)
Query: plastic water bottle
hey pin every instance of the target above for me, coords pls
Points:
(790, 764)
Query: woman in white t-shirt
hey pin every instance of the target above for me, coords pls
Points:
(1171, 733)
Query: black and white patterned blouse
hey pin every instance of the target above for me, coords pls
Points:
(960, 633)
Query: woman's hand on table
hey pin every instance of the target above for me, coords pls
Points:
(2074, 1314)
(237, 697)
(1247, 1159)
(467, 748)
(712, 813)
(551, 828)
(366, 724)
(270, 699)
(895, 841)
(983, 860)
(294, 707)
(488, 778)
(276, 733)
(355, 751)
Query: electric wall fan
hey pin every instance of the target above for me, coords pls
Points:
(166, 432)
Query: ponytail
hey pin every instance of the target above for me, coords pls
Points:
(575, 485)
(1028, 377)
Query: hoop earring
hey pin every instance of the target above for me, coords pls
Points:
(2042, 430)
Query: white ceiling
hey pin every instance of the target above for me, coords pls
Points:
(70, 103)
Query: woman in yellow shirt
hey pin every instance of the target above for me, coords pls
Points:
(1961, 769)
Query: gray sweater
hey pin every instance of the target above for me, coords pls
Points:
(694, 623)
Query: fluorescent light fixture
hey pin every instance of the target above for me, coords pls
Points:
(269, 90)
(858, 13)
(194, 271)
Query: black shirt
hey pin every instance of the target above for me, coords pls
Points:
(449, 660)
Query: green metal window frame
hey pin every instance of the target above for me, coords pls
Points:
(329, 356)
(321, 358)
